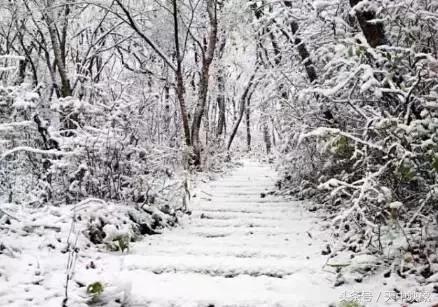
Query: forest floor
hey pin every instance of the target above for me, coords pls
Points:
(241, 246)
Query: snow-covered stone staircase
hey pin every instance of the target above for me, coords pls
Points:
(242, 247)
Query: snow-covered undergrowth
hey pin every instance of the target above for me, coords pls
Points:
(66, 193)
(40, 248)
(89, 181)
(362, 141)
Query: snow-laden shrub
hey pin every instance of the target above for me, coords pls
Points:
(20, 174)
(109, 150)
(367, 145)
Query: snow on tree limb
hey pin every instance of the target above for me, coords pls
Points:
(50, 152)
(324, 131)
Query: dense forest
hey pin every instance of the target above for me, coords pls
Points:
(113, 111)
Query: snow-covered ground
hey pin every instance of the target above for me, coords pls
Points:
(241, 246)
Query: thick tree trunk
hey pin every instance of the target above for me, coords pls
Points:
(180, 93)
(199, 112)
(207, 122)
(69, 117)
(372, 29)
(21, 71)
(180, 88)
(204, 80)
(28, 53)
(301, 47)
(66, 90)
(221, 105)
(304, 53)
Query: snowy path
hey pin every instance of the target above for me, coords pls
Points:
(236, 249)
(239, 249)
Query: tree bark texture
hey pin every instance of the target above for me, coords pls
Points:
(373, 31)
(243, 102)
(207, 59)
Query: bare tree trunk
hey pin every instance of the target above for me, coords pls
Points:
(221, 105)
(214, 118)
(57, 51)
(233, 102)
(304, 54)
(248, 125)
(301, 46)
(180, 92)
(275, 47)
(207, 59)
(243, 102)
(207, 122)
(28, 52)
(274, 139)
(21, 71)
(372, 28)
(267, 137)
(180, 88)
(69, 117)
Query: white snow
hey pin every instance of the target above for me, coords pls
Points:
(238, 248)
(396, 205)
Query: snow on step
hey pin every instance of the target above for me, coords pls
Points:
(213, 265)
(219, 251)
(192, 289)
